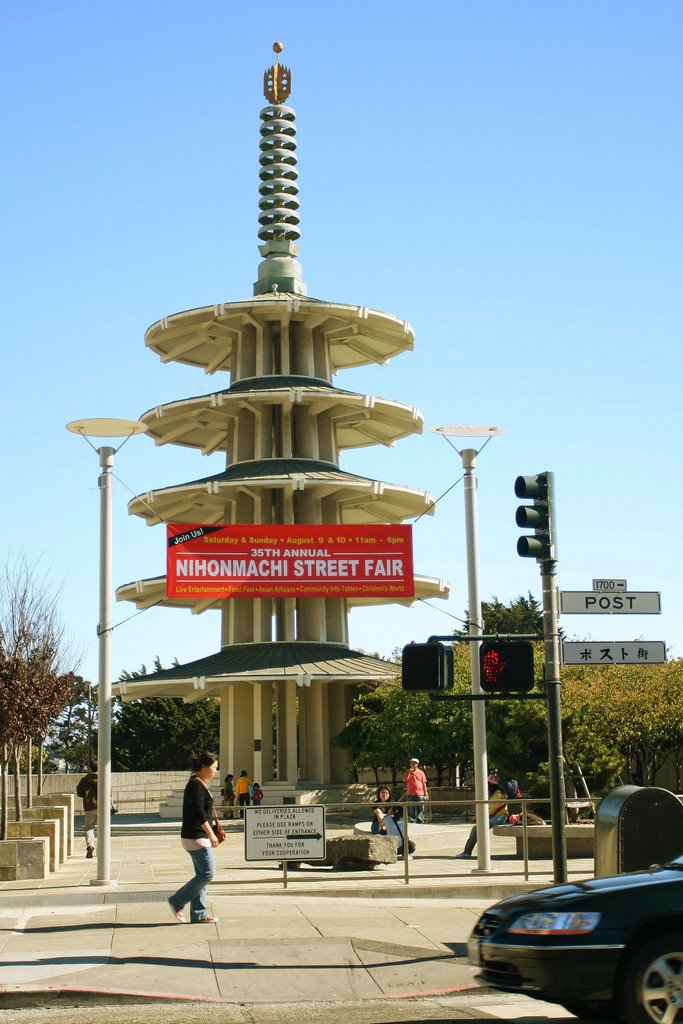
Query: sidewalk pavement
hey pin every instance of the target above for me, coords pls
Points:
(329, 935)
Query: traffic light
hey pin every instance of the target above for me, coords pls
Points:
(427, 667)
(506, 666)
(540, 516)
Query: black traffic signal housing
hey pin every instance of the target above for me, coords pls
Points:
(427, 667)
(542, 546)
(506, 666)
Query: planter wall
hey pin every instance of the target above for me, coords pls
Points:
(61, 800)
(24, 858)
(58, 813)
(31, 829)
(134, 792)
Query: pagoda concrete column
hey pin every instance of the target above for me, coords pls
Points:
(289, 756)
(317, 732)
(226, 747)
(242, 727)
(263, 732)
(337, 715)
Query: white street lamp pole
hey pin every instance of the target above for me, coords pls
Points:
(475, 627)
(104, 679)
(105, 428)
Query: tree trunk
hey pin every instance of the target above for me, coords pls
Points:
(4, 783)
(17, 784)
(29, 772)
(41, 748)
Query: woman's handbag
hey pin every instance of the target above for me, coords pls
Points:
(218, 829)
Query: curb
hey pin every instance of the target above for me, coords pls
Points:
(490, 891)
(18, 997)
(22, 996)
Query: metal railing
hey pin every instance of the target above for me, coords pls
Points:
(411, 830)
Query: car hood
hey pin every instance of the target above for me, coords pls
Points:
(611, 884)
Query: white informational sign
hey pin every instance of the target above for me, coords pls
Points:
(588, 602)
(594, 652)
(609, 585)
(284, 833)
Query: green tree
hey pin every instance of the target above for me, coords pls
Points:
(68, 736)
(388, 726)
(672, 678)
(636, 710)
(523, 615)
(612, 717)
(34, 651)
(161, 733)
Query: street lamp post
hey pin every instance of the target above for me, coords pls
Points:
(89, 723)
(101, 427)
(475, 627)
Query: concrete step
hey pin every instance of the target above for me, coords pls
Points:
(277, 793)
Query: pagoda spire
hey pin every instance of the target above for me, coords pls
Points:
(280, 270)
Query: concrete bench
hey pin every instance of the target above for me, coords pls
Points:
(61, 800)
(48, 806)
(24, 858)
(61, 814)
(49, 827)
(580, 839)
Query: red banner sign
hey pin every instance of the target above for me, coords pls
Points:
(289, 561)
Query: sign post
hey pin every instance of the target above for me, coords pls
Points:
(592, 602)
(609, 585)
(284, 833)
(594, 652)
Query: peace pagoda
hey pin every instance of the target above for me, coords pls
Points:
(285, 674)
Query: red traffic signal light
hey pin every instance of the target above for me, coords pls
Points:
(506, 666)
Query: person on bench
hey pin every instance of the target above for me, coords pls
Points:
(498, 815)
(387, 819)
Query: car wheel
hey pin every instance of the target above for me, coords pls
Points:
(591, 1012)
(651, 989)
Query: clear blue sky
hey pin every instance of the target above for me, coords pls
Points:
(507, 177)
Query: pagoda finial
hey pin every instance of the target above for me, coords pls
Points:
(279, 272)
(277, 81)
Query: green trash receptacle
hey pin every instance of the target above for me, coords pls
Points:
(635, 827)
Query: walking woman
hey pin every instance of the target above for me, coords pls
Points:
(199, 839)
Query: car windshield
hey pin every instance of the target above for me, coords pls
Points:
(677, 862)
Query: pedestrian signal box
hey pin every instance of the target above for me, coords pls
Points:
(506, 666)
(427, 667)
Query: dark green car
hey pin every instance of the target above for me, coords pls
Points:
(608, 949)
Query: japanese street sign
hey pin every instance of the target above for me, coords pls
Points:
(284, 833)
(610, 585)
(594, 652)
(577, 602)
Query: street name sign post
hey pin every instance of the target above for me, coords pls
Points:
(284, 833)
(590, 602)
(593, 652)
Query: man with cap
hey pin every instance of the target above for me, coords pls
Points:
(416, 791)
